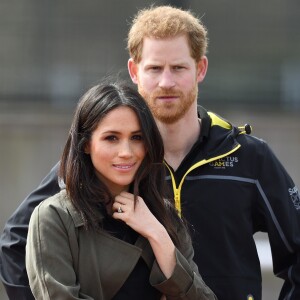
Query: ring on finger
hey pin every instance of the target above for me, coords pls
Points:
(120, 210)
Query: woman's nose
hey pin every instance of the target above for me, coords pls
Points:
(125, 149)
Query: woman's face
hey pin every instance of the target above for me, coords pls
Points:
(117, 148)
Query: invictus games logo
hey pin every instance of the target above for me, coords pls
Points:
(295, 196)
(225, 162)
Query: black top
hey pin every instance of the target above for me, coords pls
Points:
(137, 285)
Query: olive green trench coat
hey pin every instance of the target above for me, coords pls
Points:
(65, 261)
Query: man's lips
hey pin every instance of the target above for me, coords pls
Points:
(167, 98)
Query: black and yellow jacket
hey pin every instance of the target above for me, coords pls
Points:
(229, 187)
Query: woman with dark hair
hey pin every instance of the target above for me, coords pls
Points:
(110, 233)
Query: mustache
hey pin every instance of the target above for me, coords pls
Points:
(167, 92)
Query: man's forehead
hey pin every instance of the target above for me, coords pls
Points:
(175, 50)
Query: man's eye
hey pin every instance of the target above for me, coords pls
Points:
(155, 68)
(178, 68)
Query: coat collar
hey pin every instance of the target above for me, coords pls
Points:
(141, 242)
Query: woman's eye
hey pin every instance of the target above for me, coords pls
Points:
(137, 137)
(111, 138)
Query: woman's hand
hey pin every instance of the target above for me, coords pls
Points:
(138, 217)
(141, 220)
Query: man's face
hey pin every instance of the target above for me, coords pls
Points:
(167, 77)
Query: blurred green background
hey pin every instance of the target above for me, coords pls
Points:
(53, 51)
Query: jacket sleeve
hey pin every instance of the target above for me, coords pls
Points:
(13, 240)
(49, 259)
(280, 211)
(185, 282)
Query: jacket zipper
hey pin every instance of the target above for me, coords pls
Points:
(177, 190)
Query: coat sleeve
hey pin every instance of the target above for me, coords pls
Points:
(280, 217)
(13, 240)
(185, 283)
(49, 255)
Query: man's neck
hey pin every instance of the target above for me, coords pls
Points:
(180, 137)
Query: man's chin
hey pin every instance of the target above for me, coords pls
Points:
(167, 119)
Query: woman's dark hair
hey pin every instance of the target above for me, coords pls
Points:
(84, 188)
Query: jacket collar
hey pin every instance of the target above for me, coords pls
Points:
(141, 242)
(75, 215)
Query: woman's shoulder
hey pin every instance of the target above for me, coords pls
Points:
(57, 201)
(57, 212)
(56, 205)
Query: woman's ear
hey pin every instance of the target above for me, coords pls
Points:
(133, 70)
(87, 148)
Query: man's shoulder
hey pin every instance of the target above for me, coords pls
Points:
(251, 141)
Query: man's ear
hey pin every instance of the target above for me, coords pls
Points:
(202, 66)
(133, 70)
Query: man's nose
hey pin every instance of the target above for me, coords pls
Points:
(167, 79)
